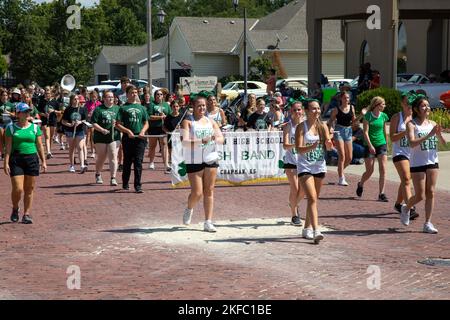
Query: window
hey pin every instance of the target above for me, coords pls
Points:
(365, 52)
(402, 56)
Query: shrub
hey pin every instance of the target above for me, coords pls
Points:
(391, 96)
(441, 117)
(236, 77)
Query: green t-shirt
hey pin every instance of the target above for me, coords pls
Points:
(6, 107)
(133, 117)
(104, 117)
(24, 139)
(376, 128)
(158, 110)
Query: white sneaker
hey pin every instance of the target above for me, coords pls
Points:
(98, 179)
(429, 228)
(404, 215)
(342, 182)
(187, 216)
(209, 227)
(318, 236)
(72, 169)
(308, 233)
(151, 166)
(63, 147)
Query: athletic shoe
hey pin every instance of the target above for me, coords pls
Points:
(120, 169)
(49, 156)
(98, 179)
(317, 236)
(83, 169)
(342, 182)
(413, 214)
(151, 166)
(56, 140)
(15, 215)
(187, 215)
(72, 169)
(295, 221)
(382, 197)
(125, 187)
(114, 182)
(404, 215)
(398, 207)
(168, 170)
(62, 147)
(359, 190)
(209, 227)
(429, 228)
(92, 155)
(26, 219)
(308, 233)
(139, 190)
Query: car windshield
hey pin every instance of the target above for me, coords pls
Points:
(229, 86)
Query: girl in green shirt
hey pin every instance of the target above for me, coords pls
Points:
(375, 136)
(23, 144)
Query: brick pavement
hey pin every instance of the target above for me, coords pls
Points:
(106, 233)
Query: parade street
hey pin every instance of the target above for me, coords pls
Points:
(92, 241)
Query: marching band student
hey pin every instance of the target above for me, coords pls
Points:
(199, 137)
(23, 146)
(401, 152)
(132, 120)
(7, 109)
(106, 139)
(214, 112)
(157, 112)
(290, 160)
(423, 135)
(74, 131)
(311, 140)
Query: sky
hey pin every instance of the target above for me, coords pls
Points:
(86, 3)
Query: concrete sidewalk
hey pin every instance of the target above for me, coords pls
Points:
(443, 182)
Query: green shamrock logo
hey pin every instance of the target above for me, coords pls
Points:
(182, 171)
(280, 164)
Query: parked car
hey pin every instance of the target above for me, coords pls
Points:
(335, 83)
(294, 83)
(232, 89)
(101, 87)
(412, 78)
(432, 90)
(135, 82)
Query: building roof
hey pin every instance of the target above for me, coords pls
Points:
(212, 35)
(130, 54)
(289, 25)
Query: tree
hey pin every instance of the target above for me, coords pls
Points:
(3, 64)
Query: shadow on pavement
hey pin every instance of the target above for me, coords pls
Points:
(366, 215)
(298, 239)
(362, 233)
(251, 225)
(69, 186)
(152, 230)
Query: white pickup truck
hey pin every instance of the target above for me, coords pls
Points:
(433, 91)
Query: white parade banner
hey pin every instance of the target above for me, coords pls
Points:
(244, 158)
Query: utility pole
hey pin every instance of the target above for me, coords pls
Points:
(149, 44)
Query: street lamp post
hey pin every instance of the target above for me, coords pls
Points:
(235, 5)
(149, 43)
(161, 17)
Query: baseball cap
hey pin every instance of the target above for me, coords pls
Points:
(22, 107)
(16, 90)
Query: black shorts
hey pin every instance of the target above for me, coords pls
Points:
(155, 131)
(289, 166)
(24, 165)
(59, 128)
(320, 175)
(380, 150)
(191, 168)
(50, 122)
(424, 168)
(399, 158)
